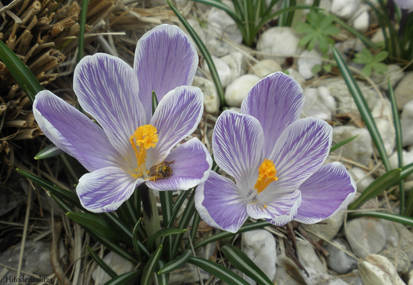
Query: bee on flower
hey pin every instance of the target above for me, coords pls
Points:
(129, 146)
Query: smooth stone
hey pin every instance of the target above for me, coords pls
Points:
(328, 228)
(349, 46)
(337, 282)
(378, 270)
(219, 26)
(407, 159)
(288, 272)
(405, 240)
(394, 73)
(362, 21)
(307, 61)
(398, 258)
(187, 274)
(278, 42)
(264, 67)
(324, 4)
(359, 149)
(318, 103)
(295, 75)
(361, 177)
(406, 122)
(116, 262)
(345, 103)
(338, 260)
(211, 99)
(383, 117)
(236, 62)
(365, 236)
(403, 91)
(239, 88)
(36, 258)
(260, 247)
(223, 70)
(317, 271)
(345, 8)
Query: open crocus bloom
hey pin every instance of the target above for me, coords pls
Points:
(129, 146)
(276, 162)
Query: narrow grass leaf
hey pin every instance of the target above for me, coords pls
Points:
(222, 235)
(20, 72)
(184, 221)
(242, 262)
(55, 190)
(342, 143)
(48, 152)
(218, 271)
(149, 268)
(377, 187)
(399, 144)
(81, 42)
(102, 263)
(176, 263)
(123, 279)
(386, 216)
(95, 223)
(164, 233)
(362, 107)
(204, 51)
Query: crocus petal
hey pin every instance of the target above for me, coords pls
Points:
(105, 189)
(73, 132)
(190, 166)
(326, 191)
(276, 102)
(219, 203)
(299, 152)
(176, 117)
(107, 88)
(279, 211)
(165, 58)
(237, 144)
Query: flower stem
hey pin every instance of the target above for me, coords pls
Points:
(151, 219)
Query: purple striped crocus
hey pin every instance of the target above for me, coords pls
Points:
(275, 160)
(129, 146)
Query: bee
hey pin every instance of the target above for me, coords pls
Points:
(160, 171)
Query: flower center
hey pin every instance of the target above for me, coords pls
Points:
(144, 138)
(266, 175)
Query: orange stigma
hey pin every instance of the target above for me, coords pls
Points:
(266, 175)
(144, 138)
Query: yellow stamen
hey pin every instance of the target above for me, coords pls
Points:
(266, 175)
(144, 138)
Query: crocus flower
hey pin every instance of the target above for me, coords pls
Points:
(405, 4)
(275, 160)
(128, 146)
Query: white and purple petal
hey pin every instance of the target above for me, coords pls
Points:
(107, 89)
(299, 152)
(325, 192)
(237, 143)
(165, 58)
(105, 189)
(276, 102)
(190, 164)
(279, 211)
(73, 132)
(219, 203)
(176, 117)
